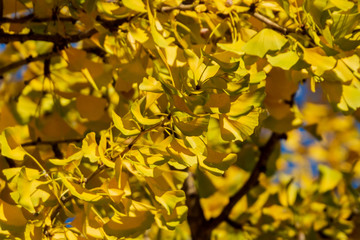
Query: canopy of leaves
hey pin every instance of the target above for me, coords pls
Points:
(163, 119)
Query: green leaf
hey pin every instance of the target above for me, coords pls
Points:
(264, 41)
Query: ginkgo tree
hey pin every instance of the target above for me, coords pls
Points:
(163, 119)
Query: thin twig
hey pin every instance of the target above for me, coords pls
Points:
(181, 7)
(34, 143)
(32, 18)
(271, 23)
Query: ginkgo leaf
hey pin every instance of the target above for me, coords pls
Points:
(319, 62)
(236, 47)
(11, 217)
(25, 189)
(150, 84)
(171, 221)
(90, 107)
(159, 39)
(139, 34)
(78, 191)
(193, 127)
(121, 225)
(239, 128)
(283, 60)
(342, 4)
(137, 109)
(120, 126)
(136, 5)
(181, 156)
(329, 179)
(10, 146)
(218, 103)
(246, 102)
(90, 147)
(216, 162)
(264, 41)
(343, 22)
(351, 96)
(170, 199)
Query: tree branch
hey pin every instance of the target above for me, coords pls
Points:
(259, 16)
(265, 153)
(32, 18)
(196, 218)
(273, 25)
(56, 39)
(181, 7)
(26, 61)
(34, 143)
(44, 56)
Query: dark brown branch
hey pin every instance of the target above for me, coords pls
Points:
(234, 224)
(94, 50)
(196, 218)
(32, 18)
(34, 143)
(259, 16)
(26, 61)
(252, 181)
(56, 39)
(113, 25)
(273, 25)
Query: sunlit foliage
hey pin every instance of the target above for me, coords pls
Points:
(163, 119)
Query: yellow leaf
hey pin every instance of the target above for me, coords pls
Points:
(118, 122)
(10, 146)
(78, 191)
(137, 111)
(239, 128)
(136, 5)
(91, 107)
(329, 178)
(318, 60)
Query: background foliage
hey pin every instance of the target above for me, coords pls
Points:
(215, 119)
